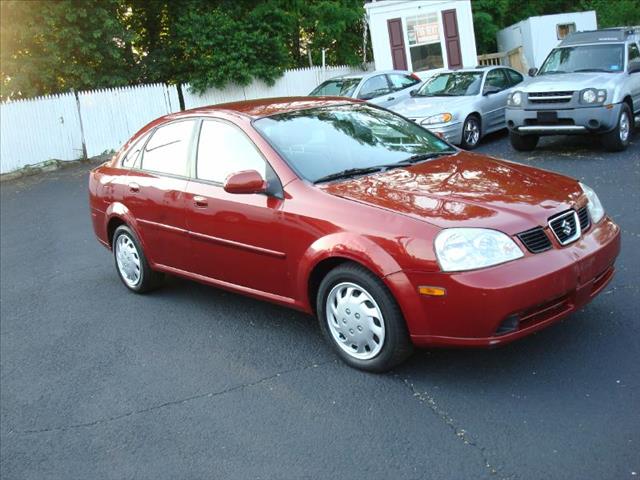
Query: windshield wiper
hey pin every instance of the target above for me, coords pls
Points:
(549, 72)
(421, 157)
(592, 70)
(349, 172)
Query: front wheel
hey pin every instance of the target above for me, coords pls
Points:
(523, 143)
(618, 139)
(471, 133)
(131, 264)
(361, 319)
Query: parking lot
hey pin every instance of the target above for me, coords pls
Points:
(195, 382)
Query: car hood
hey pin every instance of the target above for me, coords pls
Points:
(420, 107)
(569, 82)
(466, 189)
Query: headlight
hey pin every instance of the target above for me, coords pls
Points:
(591, 95)
(440, 118)
(459, 249)
(596, 210)
(515, 99)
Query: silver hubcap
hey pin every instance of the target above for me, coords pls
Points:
(624, 126)
(128, 260)
(355, 321)
(471, 132)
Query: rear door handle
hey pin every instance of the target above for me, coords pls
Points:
(200, 202)
(134, 187)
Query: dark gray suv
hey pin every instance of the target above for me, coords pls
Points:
(589, 83)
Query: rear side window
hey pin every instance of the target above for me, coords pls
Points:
(634, 53)
(131, 158)
(374, 87)
(168, 149)
(514, 76)
(400, 82)
(496, 78)
(224, 149)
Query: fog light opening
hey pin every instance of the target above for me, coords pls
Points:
(593, 123)
(510, 324)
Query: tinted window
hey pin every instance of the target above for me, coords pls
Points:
(343, 87)
(514, 76)
(400, 82)
(452, 85)
(225, 149)
(131, 158)
(496, 78)
(168, 149)
(634, 53)
(322, 141)
(374, 87)
(584, 58)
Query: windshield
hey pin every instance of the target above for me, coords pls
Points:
(323, 141)
(342, 87)
(585, 58)
(452, 85)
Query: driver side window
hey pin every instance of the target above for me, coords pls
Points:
(224, 149)
(374, 87)
(496, 78)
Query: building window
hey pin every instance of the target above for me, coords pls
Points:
(423, 33)
(564, 29)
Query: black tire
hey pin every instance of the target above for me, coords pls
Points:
(523, 143)
(396, 346)
(613, 141)
(149, 279)
(472, 123)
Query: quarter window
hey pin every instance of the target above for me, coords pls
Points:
(514, 76)
(224, 149)
(400, 82)
(374, 87)
(168, 149)
(634, 53)
(132, 157)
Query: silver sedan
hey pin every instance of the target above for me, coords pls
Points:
(383, 88)
(462, 105)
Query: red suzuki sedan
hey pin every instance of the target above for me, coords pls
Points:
(388, 234)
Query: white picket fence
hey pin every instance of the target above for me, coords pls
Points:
(60, 127)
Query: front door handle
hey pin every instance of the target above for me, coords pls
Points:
(200, 202)
(391, 98)
(134, 187)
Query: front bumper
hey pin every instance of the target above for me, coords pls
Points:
(569, 121)
(500, 304)
(451, 132)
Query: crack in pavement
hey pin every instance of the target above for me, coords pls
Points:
(460, 433)
(177, 402)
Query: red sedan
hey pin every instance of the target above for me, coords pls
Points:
(387, 233)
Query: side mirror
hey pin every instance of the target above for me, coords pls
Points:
(413, 92)
(634, 66)
(490, 90)
(247, 181)
(532, 72)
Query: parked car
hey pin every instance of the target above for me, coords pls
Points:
(389, 235)
(589, 84)
(462, 105)
(384, 88)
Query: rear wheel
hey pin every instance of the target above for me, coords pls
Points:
(361, 319)
(471, 133)
(618, 139)
(131, 264)
(523, 143)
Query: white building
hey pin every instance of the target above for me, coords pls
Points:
(538, 35)
(421, 34)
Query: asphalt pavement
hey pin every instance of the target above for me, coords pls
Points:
(193, 382)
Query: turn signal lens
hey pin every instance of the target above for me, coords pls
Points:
(432, 291)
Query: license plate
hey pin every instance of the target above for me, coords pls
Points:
(547, 117)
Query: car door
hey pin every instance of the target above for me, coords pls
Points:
(155, 192)
(401, 86)
(634, 80)
(235, 238)
(376, 90)
(494, 101)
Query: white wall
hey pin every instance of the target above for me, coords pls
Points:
(538, 35)
(380, 12)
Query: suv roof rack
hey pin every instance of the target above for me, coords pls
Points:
(605, 35)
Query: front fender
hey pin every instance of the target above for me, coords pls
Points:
(350, 246)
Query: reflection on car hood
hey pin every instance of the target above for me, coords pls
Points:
(420, 107)
(466, 189)
(570, 82)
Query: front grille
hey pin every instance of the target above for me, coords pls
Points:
(583, 216)
(535, 240)
(550, 97)
(566, 227)
(559, 121)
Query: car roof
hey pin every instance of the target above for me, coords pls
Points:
(607, 35)
(265, 107)
(368, 74)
